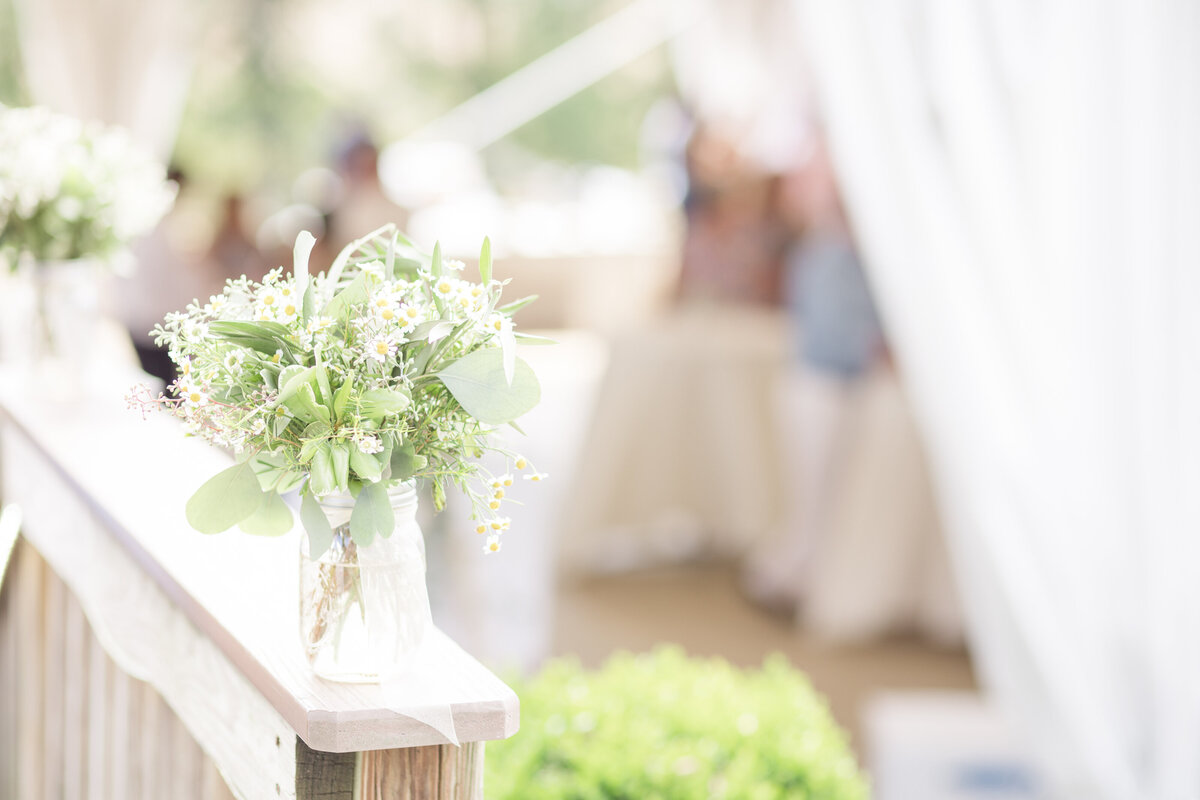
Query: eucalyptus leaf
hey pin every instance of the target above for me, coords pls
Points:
(326, 397)
(342, 396)
(274, 474)
(478, 383)
(291, 378)
(485, 261)
(273, 517)
(372, 515)
(366, 466)
(354, 294)
(378, 403)
(530, 338)
(264, 336)
(300, 255)
(305, 406)
(280, 423)
(339, 263)
(321, 477)
(316, 525)
(225, 499)
(315, 435)
(517, 305)
(440, 330)
(405, 462)
(341, 463)
(435, 264)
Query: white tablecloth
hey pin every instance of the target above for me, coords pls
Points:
(683, 460)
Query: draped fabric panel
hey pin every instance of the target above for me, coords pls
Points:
(123, 62)
(1024, 180)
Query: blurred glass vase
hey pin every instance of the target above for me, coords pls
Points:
(51, 317)
(364, 608)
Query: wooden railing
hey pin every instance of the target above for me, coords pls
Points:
(139, 659)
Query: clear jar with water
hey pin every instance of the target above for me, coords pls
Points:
(364, 611)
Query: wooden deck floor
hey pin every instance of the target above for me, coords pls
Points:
(700, 608)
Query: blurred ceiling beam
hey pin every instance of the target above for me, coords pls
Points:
(561, 73)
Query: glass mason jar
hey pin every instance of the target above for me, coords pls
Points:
(364, 611)
(51, 313)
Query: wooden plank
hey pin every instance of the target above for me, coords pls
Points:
(228, 717)
(75, 676)
(440, 772)
(10, 526)
(99, 745)
(323, 776)
(30, 672)
(149, 761)
(8, 690)
(122, 690)
(212, 785)
(53, 660)
(186, 764)
(462, 772)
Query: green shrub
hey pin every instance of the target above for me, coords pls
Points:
(662, 726)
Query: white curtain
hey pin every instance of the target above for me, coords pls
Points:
(123, 62)
(1024, 178)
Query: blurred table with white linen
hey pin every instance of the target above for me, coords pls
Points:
(682, 460)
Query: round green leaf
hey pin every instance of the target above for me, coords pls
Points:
(273, 517)
(225, 499)
(316, 525)
(478, 383)
(372, 515)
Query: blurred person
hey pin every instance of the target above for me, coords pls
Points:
(170, 272)
(361, 205)
(232, 253)
(841, 341)
(734, 242)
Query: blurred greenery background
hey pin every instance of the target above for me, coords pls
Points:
(279, 81)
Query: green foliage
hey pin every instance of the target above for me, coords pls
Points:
(12, 82)
(664, 726)
(404, 374)
(70, 189)
(265, 104)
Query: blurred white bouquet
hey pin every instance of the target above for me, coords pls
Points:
(70, 189)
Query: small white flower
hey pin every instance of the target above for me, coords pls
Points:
(268, 297)
(454, 264)
(500, 524)
(536, 476)
(287, 311)
(368, 444)
(493, 544)
(381, 348)
(498, 324)
(192, 396)
(412, 313)
(444, 287)
(195, 330)
(215, 304)
(318, 324)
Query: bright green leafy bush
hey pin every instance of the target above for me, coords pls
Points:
(662, 726)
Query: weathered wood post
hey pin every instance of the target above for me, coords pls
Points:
(139, 659)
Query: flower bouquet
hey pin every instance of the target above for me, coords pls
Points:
(347, 386)
(73, 195)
